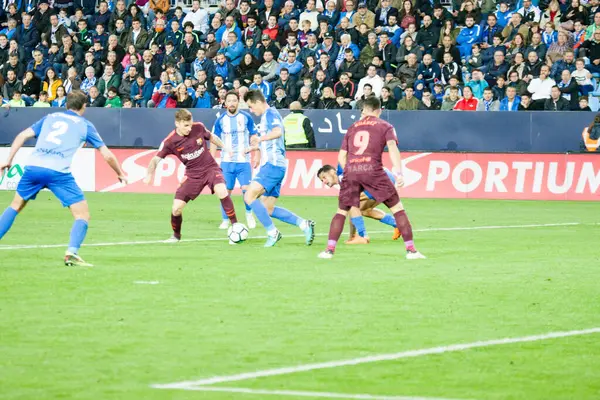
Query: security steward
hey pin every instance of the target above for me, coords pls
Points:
(299, 133)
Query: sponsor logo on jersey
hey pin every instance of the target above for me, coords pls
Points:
(194, 155)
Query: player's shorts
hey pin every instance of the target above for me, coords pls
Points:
(190, 188)
(270, 177)
(236, 170)
(377, 184)
(61, 184)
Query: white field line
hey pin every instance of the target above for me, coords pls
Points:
(373, 359)
(297, 393)
(146, 282)
(143, 242)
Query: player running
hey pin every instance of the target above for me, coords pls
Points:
(59, 136)
(331, 176)
(360, 157)
(267, 182)
(234, 128)
(188, 142)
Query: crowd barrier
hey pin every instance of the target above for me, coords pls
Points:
(502, 132)
(427, 174)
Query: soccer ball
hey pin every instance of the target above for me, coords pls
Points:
(237, 233)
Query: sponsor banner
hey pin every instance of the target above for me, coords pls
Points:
(83, 168)
(427, 175)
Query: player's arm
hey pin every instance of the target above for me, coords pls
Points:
(112, 161)
(343, 158)
(152, 168)
(19, 141)
(256, 140)
(217, 142)
(396, 162)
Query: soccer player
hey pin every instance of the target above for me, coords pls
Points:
(331, 176)
(234, 128)
(59, 136)
(360, 157)
(188, 142)
(267, 183)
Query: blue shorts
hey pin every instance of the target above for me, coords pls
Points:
(236, 170)
(271, 177)
(62, 184)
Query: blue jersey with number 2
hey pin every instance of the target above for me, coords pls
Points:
(59, 136)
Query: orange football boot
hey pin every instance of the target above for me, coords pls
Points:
(397, 235)
(358, 240)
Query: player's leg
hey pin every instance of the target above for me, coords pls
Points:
(229, 176)
(226, 203)
(10, 214)
(188, 190)
(252, 197)
(358, 223)
(176, 219)
(244, 176)
(404, 226)
(381, 216)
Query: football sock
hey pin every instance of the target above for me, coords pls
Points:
(223, 214)
(78, 232)
(6, 220)
(359, 224)
(287, 216)
(263, 215)
(227, 205)
(388, 220)
(176, 223)
(403, 225)
(335, 230)
(248, 208)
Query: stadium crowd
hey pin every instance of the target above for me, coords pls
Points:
(470, 55)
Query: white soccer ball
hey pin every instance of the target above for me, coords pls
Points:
(237, 232)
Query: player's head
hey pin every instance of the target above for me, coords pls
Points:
(328, 175)
(256, 102)
(231, 102)
(183, 122)
(371, 107)
(77, 101)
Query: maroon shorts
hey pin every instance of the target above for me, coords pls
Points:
(190, 188)
(377, 183)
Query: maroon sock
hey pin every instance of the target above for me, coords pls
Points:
(335, 230)
(403, 225)
(176, 223)
(227, 204)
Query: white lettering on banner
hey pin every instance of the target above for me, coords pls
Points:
(326, 130)
(496, 173)
(588, 175)
(522, 167)
(474, 183)
(308, 176)
(538, 177)
(439, 171)
(553, 186)
(164, 169)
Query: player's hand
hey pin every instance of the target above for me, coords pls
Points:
(229, 151)
(123, 179)
(4, 166)
(251, 149)
(254, 141)
(147, 179)
(399, 182)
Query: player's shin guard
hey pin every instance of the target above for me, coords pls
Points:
(176, 222)
(78, 232)
(227, 205)
(263, 215)
(6, 220)
(403, 225)
(359, 224)
(248, 208)
(388, 220)
(335, 230)
(287, 216)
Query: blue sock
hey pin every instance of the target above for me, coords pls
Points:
(359, 224)
(6, 220)
(286, 216)
(248, 208)
(388, 220)
(224, 214)
(262, 214)
(78, 232)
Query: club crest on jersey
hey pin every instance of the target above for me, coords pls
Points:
(199, 141)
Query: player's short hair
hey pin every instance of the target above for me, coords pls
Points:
(324, 169)
(183, 115)
(254, 96)
(76, 100)
(233, 93)
(371, 103)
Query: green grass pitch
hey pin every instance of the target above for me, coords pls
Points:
(220, 310)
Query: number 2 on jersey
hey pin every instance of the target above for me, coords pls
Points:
(361, 140)
(59, 128)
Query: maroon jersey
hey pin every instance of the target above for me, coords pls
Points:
(365, 141)
(191, 150)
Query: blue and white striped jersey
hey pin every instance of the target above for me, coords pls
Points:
(235, 131)
(272, 151)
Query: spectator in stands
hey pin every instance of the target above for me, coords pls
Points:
(409, 102)
(551, 14)
(108, 80)
(557, 49)
(327, 100)
(569, 89)
(16, 100)
(264, 87)
(556, 102)
(51, 83)
(11, 85)
(164, 97)
(306, 99)
(515, 26)
(499, 67)
(428, 101)
(127, 82)
(468, 36)
(488, 103)
(567, 63)
(31, 87)
(182, 98)
(532, 66)
(583, 104)
(203, 98)
(490, 29)
(310, 14)
(583, 77)
(141, 92)
(372, 79)
(541, 88)
(511, 101)
(198, 17)
(499, 89)
(39, 65)
(281, 100)
(468, 102)
(364, 16)
(477, 84)
(61, 98)
(514, 81)
(43, 101)
(387, 99)
(530, 12)
(95, 98)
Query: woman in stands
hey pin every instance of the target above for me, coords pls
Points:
(61, 98)
(131, 58)
(51, 83)
(183, 98)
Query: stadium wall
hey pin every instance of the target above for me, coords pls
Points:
(503, 132)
